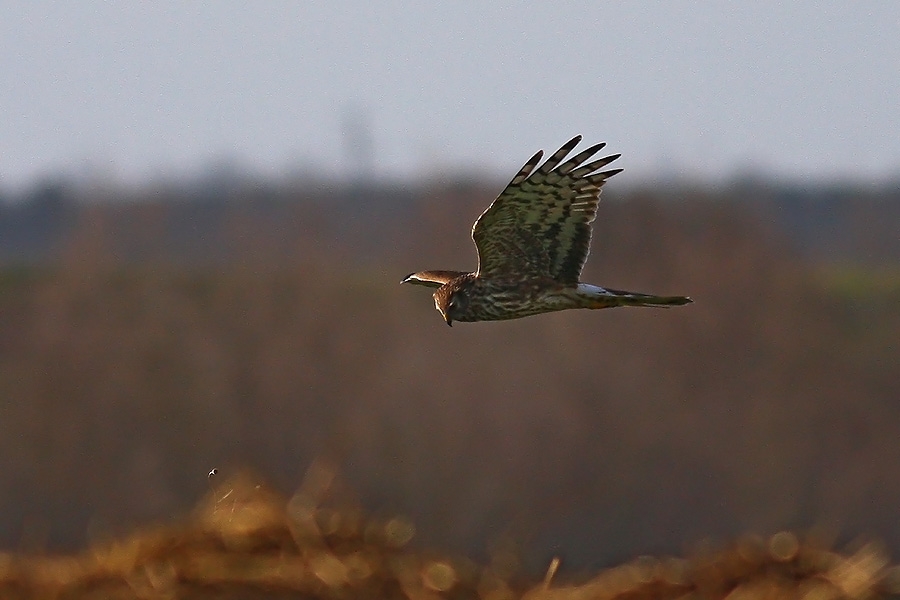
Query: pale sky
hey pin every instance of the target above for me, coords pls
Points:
(138, 91)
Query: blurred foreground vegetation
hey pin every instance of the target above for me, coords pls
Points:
(245, 541)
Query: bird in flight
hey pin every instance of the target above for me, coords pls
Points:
(532, 243)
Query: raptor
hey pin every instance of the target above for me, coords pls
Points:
(532, 243)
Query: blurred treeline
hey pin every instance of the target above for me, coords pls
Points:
(148, 336)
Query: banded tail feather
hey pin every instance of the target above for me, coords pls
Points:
(598, 297)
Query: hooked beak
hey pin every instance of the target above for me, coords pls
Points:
(447, 319)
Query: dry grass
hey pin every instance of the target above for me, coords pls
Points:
(245, 541)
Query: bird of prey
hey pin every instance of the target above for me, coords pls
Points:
(532, 243)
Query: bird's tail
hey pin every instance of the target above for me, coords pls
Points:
(598, 297)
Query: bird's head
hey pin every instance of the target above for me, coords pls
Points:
(452, 301)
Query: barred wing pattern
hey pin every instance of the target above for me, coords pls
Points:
(540, 225)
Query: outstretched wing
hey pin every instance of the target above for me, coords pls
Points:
(540, 224)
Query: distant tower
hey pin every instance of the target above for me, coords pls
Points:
(358, 145)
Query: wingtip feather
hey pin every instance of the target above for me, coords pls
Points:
(527, 168)
(559, 155)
